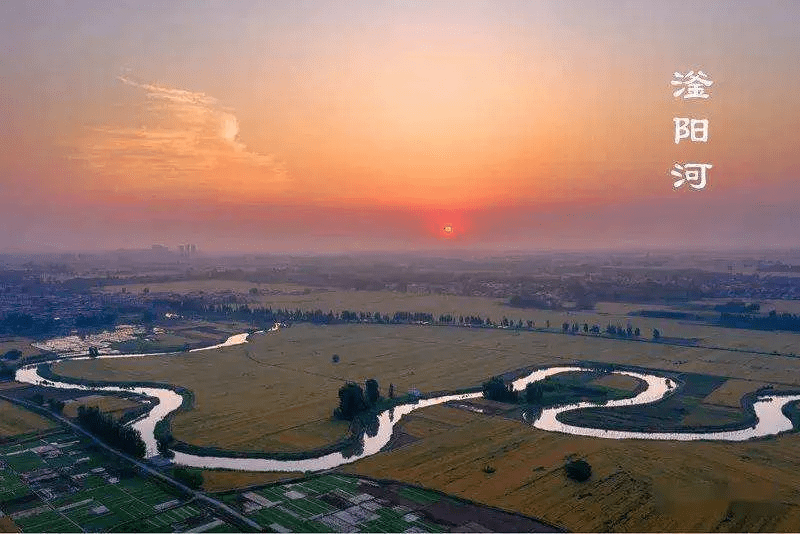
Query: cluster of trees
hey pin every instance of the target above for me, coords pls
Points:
(7, 372)
(496, 389)
(17, 323)
(112, 432)
(55, 405)
(354, 401)
(772, 321)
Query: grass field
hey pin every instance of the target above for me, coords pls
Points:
(635, 485)
(15, 420)
(291, 372)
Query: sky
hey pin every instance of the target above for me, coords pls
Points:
(340, 126)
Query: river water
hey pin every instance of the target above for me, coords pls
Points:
(768, 410)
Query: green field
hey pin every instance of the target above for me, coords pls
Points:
(61, 483)
(331, 503)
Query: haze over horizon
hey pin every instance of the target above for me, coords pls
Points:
(320, 126)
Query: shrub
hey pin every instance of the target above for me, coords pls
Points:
(578, 470)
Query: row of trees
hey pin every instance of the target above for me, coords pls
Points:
(112, 432)
(317, 316)
(610, 329)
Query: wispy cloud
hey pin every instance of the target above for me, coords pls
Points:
(183, 132)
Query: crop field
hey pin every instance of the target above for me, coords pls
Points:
(636, 485)
(295, 296)
(60, 483)
(107, 403)
(15, 420)
(336, 503)
(292, 372)
(21, 344)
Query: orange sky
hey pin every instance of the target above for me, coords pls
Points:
(456, 112)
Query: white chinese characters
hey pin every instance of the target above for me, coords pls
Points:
(690, 86)
(693, 174)
(693, 129)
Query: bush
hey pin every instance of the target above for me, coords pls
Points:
(578, 470)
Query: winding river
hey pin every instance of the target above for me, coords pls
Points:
(768, 410)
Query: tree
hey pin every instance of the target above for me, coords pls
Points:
(533, 393)
(565, 327)
(94, 352)
(351, 402)
(656, 334)
(391, 391)
(373, 391)
(637, 332)
(335, 358)
(38, 399)
(578, 470)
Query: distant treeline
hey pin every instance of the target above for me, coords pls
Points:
(20, 324)
(114, 433)
(772, 321)
(16, 323)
